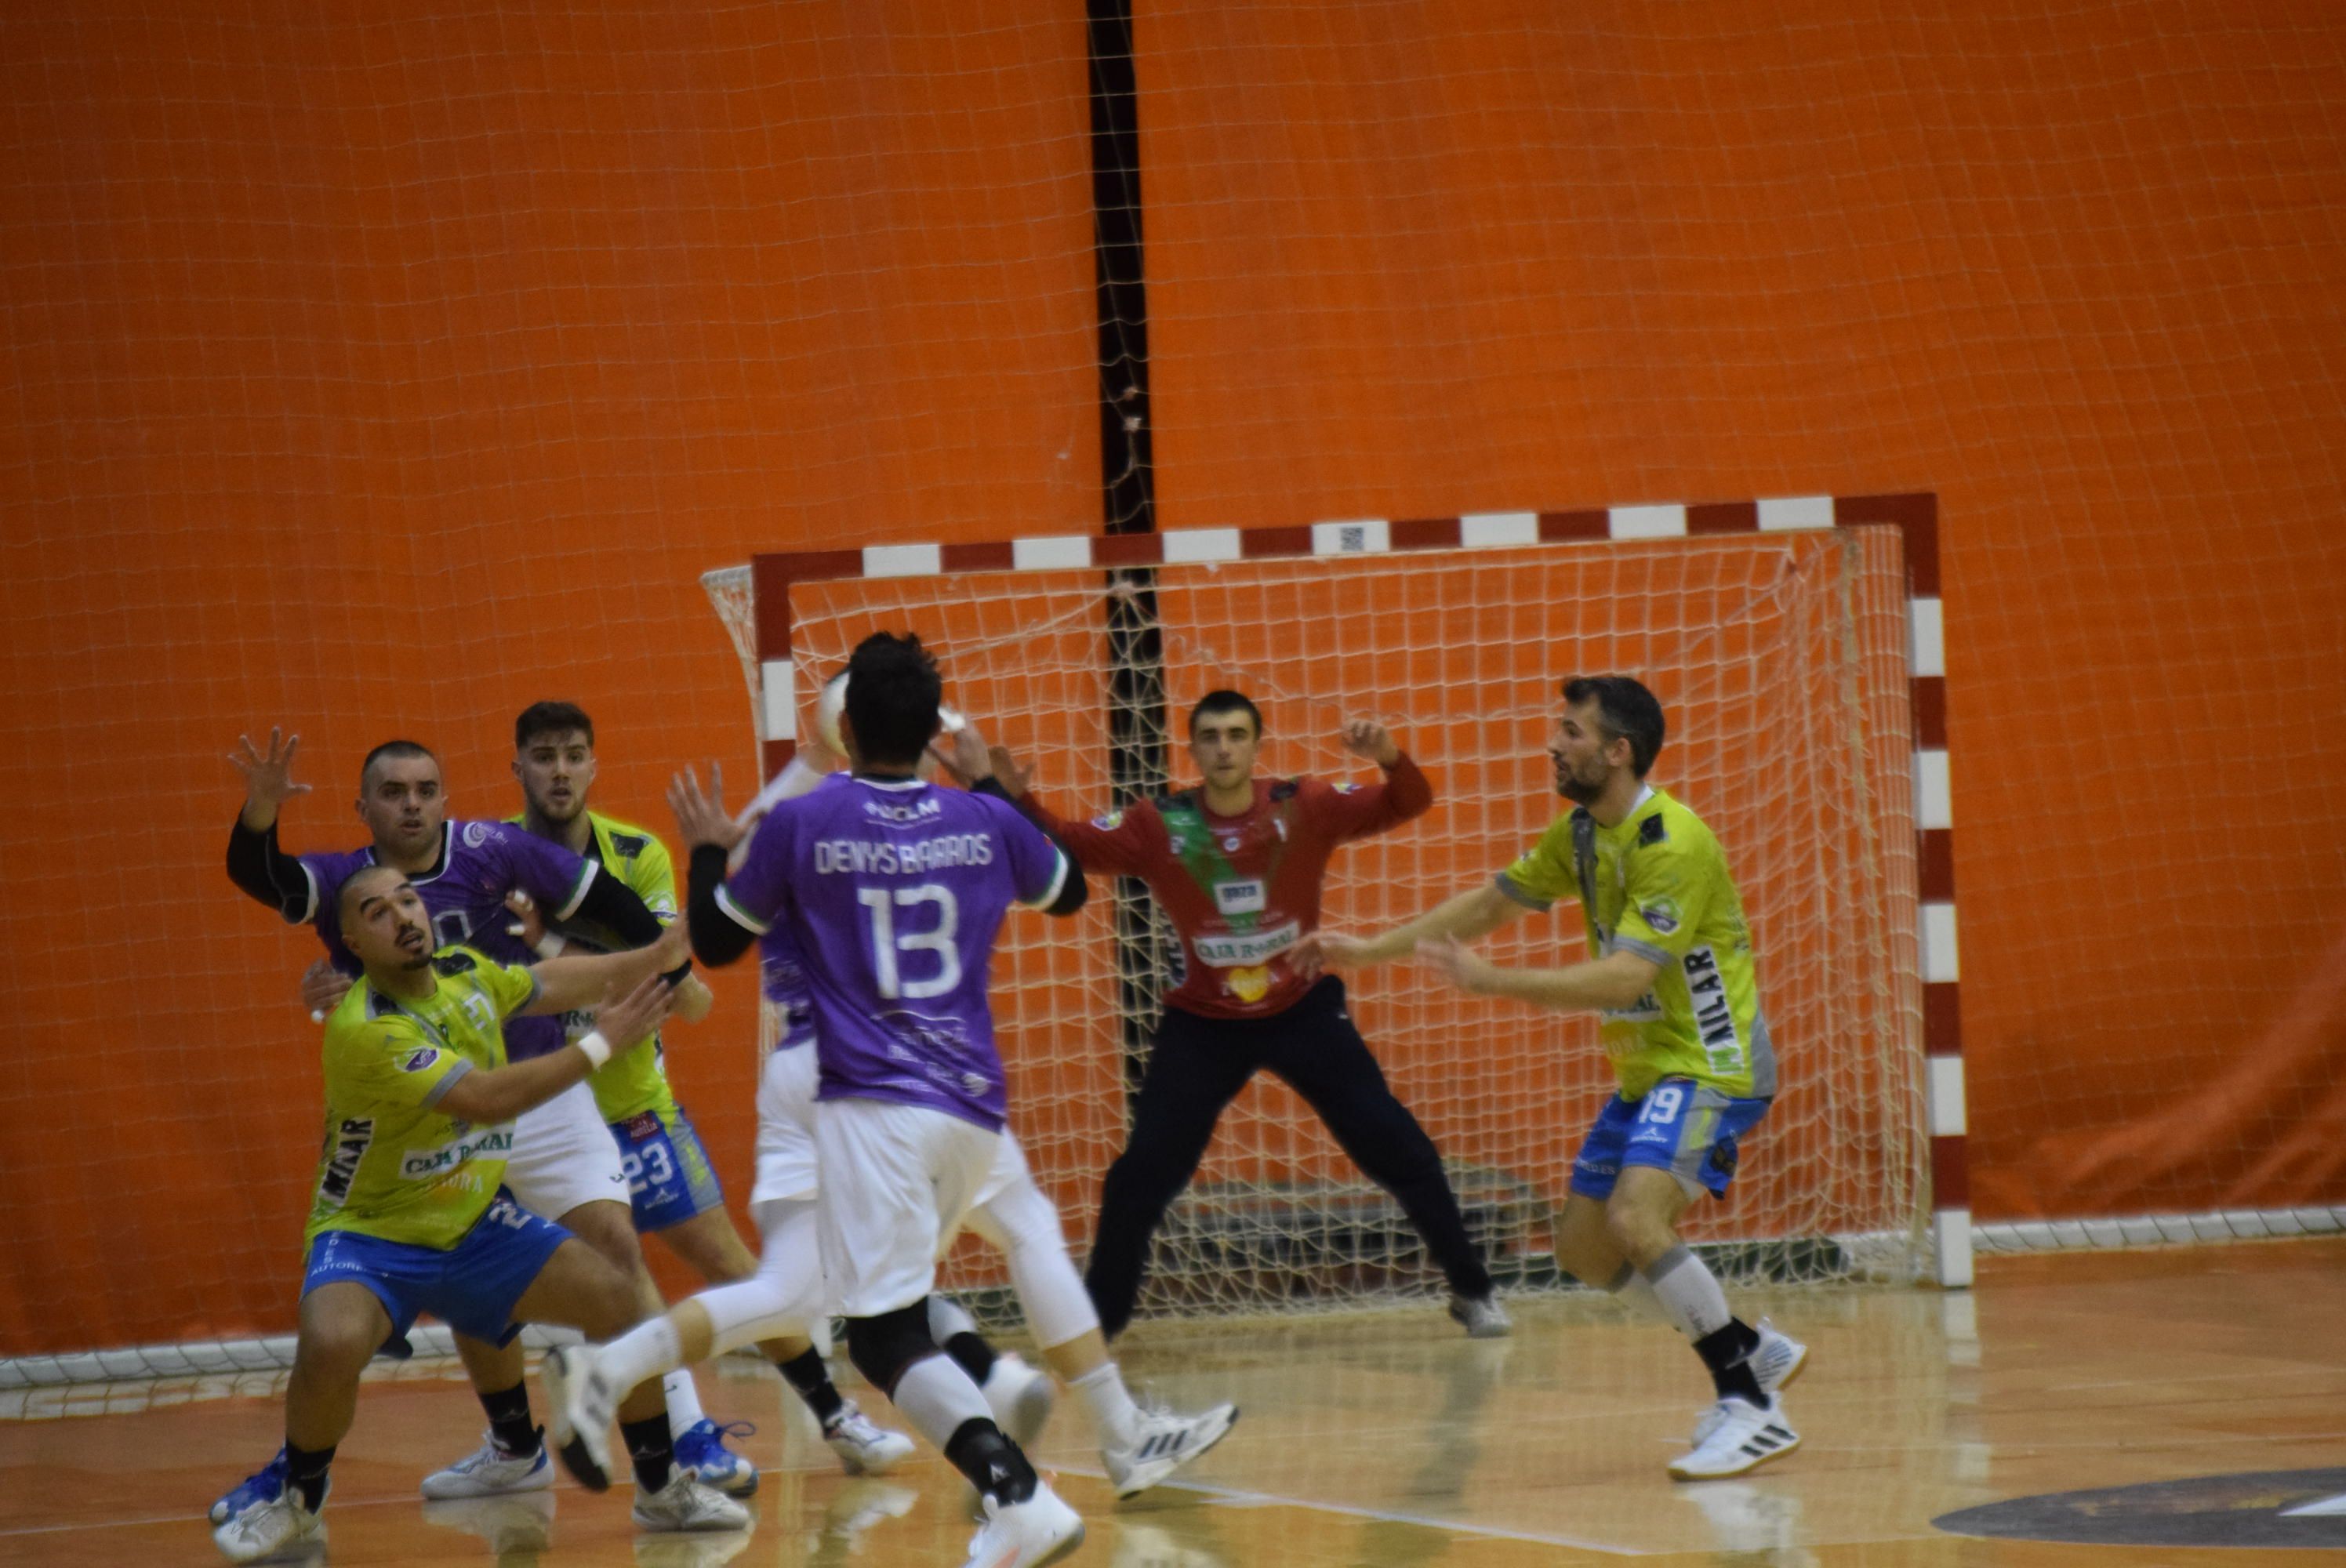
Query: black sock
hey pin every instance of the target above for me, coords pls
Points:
(509, 1420)
(1728, 1354)
(991, 1462)
(975, 1354)
(811, 1379)
(306, 1468)
(652, 1448)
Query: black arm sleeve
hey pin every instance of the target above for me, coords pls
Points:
(615, 906)
(1074, 892)
(718, 938)
(269, 876)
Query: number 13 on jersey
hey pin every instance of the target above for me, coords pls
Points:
(890, 973)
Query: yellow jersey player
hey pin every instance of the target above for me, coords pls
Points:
(410, 1213)
(1670, 971)
(671, 1183)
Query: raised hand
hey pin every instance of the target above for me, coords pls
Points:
(1008, 771)
(268, 776)
(323, 989)
(1367, 738)
(529, 921)
(962, 751)
(702, 818)
(629, 1020)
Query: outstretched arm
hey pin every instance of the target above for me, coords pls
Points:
(255, 863)
(620, 1025)
(1476, 912)
(1617, 980)
(1358, 811)
(566, 984)
(708, 834)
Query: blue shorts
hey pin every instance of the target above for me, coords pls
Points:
(1680, 1127)
(669, 1179)
(471, 1286)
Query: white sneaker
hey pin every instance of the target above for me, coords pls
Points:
(1161, 1443)
(713, 1549)
(864, 1447)
(685, 1504)
(1777, 1359)
(1481, 1316)
(509, 1524)
(580, 1402)
(490, 1472)
(1020, 1397)
(1026, 1534)
(271, 1527)
(1736, 1436)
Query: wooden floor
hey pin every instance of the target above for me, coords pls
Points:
(1383, 1440)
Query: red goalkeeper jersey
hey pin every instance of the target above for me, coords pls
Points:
(1242, 890)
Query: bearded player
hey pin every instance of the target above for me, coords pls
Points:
(1670, 972)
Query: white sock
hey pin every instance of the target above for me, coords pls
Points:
(937, 1396)
(648, 1350)
(947, 1319)
(1688, 1294)
(1629, 1289)
(1114, 1415)
(684, 1411)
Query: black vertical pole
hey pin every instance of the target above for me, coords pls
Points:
(1136, 649)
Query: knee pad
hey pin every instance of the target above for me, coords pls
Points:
(882, 1347)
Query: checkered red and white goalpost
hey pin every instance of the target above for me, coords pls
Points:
(1797, 647)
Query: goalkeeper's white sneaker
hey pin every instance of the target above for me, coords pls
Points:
(1021, 1398)
(1735, 1436)
(581, 1401)
(687, 1504)
(864, 1447)
(1481, 1316)
(490, 1472)
(1026, 1534)
(1162, 1442)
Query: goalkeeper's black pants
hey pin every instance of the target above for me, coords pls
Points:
(1197, 1066)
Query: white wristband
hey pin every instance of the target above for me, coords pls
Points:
(597, 1049)
(550, 945)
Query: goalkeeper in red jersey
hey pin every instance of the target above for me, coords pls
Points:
(1237, 865)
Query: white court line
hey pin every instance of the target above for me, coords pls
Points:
(1232, 1497)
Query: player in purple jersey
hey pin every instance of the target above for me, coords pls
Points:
(563, 1165)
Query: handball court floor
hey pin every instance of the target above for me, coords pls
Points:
(1386, 1438)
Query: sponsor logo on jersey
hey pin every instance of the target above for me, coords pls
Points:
(1242, 949)
(347, 1146)
(1346, 786)
(489, 1142)
(1714, 1020)
(1109, 823)
(1240, 898)
(1230, 845)
(476, 834)
(420, 1059)
(1662, 914)
(642, 1124)
(1249, 985)
(918, 811)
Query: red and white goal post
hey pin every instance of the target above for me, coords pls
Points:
(1797, 649)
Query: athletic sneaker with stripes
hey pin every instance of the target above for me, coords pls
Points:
(1737, 1436)
(1775, 1361)
(1161, 1442)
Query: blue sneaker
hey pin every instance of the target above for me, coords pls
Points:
(701, 1453)
(267, 1485)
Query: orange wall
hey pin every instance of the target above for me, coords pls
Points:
(376, 377)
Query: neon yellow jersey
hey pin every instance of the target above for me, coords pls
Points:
(394, 1165)
(1656, 884)
(632, 1082)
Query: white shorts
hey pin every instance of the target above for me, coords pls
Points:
(786, 1162)
(563, 1155)
(899, 1179)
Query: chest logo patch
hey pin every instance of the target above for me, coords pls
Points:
(1240, 898)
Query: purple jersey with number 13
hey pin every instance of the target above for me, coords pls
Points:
(893, 893)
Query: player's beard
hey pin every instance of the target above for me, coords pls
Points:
(1578, 790)
(559, 815)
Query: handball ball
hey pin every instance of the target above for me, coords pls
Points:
(832, 701)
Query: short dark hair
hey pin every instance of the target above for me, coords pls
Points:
(1226, 702)
(355, 887)
(551, 719)
(892, 692)
(391, 748)
(1626, 710)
